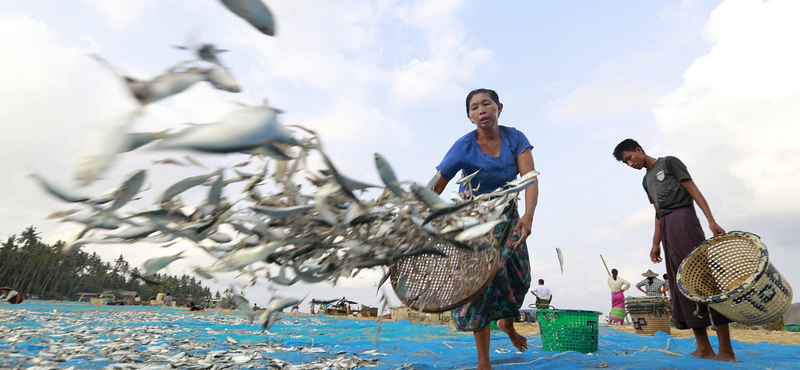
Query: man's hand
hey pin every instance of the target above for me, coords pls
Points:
(715, 229)
(655, 253)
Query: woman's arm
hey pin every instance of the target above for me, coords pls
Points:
(441, 183)
(524, 165)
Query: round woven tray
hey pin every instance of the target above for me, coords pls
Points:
(430, 283)
(733, 275)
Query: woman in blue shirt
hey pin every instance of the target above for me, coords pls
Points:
(501, 153)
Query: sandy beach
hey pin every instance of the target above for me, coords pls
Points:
(737, 333)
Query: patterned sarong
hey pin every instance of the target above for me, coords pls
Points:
(680, 234)
(506, 292)
(617, 313)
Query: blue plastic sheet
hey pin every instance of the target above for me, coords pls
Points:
(419, 346)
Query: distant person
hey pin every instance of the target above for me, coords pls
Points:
(194, 307)
(169, 301)
(543, 294)
(673, 193)
(618, 287)
(135, 301)
(652, 284)
(296, 307)
(255, 307)
(9, 295)
(665, 288)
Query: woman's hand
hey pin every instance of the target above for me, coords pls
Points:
(523, 229)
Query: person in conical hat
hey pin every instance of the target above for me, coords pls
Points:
(652, 284)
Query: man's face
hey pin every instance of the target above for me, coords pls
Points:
(634, 159)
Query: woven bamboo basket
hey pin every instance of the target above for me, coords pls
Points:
(649, 314)
(733, 275)
(431, 283)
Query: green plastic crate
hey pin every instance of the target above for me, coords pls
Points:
(569, 330)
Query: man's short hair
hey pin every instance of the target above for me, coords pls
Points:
(541, 281)
(628, 145)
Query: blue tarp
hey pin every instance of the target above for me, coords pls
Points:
(423, 346)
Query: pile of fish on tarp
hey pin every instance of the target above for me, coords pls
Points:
(153, 340)
(325, 232)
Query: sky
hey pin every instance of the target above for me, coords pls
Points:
(714, 83)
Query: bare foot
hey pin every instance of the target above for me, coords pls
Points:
(725, 357)
(703, 353)
(484, 365)
(507, 326)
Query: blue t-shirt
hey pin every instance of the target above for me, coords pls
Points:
(466, 155)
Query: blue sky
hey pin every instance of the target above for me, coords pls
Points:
(714, 83)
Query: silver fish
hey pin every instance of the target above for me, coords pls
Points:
(153, 265)
(244, 306)
(247, 128)
(185, 184)
(58, 190)
(163, 86)
(254, 12)
(560, 259)
(240, 258)
(476, 231)
(128, 190)
(102, 146)
(279, 212)
(387, 175)
(222, 79)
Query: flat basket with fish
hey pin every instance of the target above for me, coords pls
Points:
(461, 259)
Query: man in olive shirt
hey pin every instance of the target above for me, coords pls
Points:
(672, 192)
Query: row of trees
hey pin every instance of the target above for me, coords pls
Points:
(41, 270)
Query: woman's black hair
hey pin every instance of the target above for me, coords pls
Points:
(492, 95)
(614, 273)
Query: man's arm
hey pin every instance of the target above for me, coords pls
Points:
(655, 250)
(690, 186)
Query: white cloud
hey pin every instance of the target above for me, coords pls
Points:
(603, 100)
(120, 14)
(735, 115)
(644, 216)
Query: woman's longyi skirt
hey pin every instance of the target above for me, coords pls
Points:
(617, 313)
(506, 292)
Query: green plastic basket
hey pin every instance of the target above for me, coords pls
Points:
(568, 330)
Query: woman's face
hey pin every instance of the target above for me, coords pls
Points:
(483, 111)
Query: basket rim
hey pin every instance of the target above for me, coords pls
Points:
(570, 311)
(761, 267)
(414, 304)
